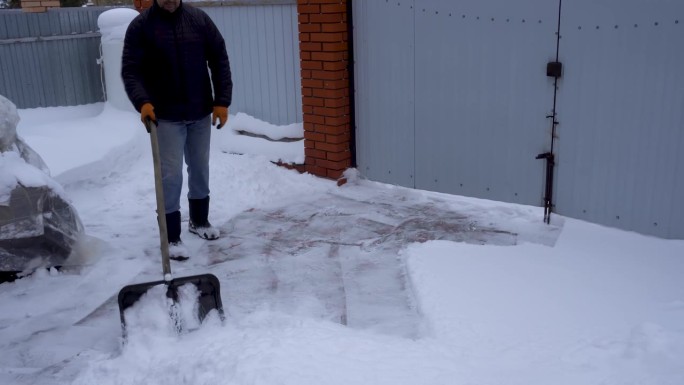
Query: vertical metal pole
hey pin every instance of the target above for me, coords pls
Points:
(550, 156)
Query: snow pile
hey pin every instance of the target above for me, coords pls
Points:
(253, 136)
(243, 123)
(114, 22)
(157, 314)
(113, 25)
(88, 135)
(15, 171)
(19, 164)
(9, 118)
(601, 306)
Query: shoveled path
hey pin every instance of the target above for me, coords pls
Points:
(338, 255)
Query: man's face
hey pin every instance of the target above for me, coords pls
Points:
(169, 5)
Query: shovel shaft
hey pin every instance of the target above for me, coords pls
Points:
(159, 190)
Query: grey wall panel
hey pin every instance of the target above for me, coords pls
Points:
(384, 84)
(482, 96)
(262, 43)
(51, 73)
(15, 23)
(621, 137)
(49, 59)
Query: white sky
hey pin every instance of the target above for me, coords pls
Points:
(361, 284)
(571, 303)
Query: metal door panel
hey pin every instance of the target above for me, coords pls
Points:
(620, 159)
(482, 96)
(384, 85)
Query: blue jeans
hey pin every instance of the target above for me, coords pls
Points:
(176, 139)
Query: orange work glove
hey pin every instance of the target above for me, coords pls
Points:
(147, 112)
(220, 113)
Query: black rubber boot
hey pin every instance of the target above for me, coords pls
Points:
(199, 219)
(199, 211)
(173, 226)
(177, 250)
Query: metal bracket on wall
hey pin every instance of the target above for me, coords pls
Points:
(554, 69)
(548, 193)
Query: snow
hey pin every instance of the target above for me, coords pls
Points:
(114, 22)
(358, 284)
(14, 169)
(8, 123)
(254, 136)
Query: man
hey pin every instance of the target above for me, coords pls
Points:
(164, 67)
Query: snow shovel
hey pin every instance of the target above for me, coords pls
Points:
(207, 285)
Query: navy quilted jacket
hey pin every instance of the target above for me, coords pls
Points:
(165, 60)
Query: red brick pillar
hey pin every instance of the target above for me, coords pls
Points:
(38, 6)
(323, 52)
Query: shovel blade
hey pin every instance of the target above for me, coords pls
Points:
(207, 285)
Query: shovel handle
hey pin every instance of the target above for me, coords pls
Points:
(159, 190)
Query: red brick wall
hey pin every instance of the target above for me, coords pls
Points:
(323, 50)
(37, 6)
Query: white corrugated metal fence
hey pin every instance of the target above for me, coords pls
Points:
(453, 96)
